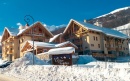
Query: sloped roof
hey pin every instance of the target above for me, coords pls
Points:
(49, 45)
(106, 31)
(64, 43)
(17, 32)
(54, 37)
(42, 44)
(12, 31)
(20, 32)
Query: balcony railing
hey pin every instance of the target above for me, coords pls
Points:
(10, 52)
(118, 49)
(78, 42)
(111, 48)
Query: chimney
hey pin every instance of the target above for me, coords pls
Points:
(85, 20)
(27, 25)
(21, 27)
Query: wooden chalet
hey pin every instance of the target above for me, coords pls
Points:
(91, 39)
(13, 39)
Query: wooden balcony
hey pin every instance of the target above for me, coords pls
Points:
(40, 35)
(10, 52)
(118, 49)
(110, 48)
(72, 36)
(80, 48)
(118, 43)
(9, 45)
(78, 42)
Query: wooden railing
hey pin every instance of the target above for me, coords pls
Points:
(118, 49)
(111, 48)
(104, 55)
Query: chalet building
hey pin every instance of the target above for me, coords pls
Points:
(13, 39)
(93, 39)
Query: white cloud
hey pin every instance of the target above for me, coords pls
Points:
(19, 24)
(45, 25)
(54, 27)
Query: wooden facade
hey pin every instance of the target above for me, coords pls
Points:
(12, 43)
(91, 41)
(44, 47)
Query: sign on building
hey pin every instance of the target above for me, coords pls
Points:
(62, 59)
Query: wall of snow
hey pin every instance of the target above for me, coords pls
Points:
(84, 59)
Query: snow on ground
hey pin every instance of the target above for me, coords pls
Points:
(100, 71)
(84, 59)
(1, 61)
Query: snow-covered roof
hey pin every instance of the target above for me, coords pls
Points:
(53, 38)
(106, 31)
(64, 50)
(23, 30)
(16, 31)
(64, 43)
(48, 45)
(12, 31)
(42, 44)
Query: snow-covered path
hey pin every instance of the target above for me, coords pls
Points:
(7, 78)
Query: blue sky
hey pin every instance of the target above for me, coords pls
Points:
(54, 12)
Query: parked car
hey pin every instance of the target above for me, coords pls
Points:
(5, 64)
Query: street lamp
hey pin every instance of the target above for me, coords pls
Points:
(27, 19)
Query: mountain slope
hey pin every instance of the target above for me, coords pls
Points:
(60, 30)
(113, 19)
(116, 18)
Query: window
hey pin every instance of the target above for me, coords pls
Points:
(93, 37)
(11, 49)
(92, 45)
(96, 39)
(105, 45)
(44, 50)
(124, 48)
(22, 40)
(98, 45)
(97, 33)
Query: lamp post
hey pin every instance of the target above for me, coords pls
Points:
(27, 19)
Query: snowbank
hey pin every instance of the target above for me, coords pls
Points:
(68, 73)
(102, 71)
(84, 59)
(1, 61)
(27, 59)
